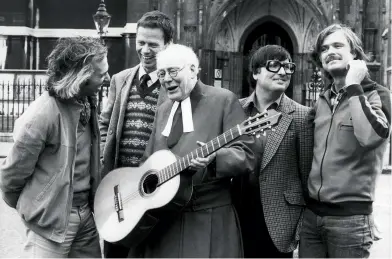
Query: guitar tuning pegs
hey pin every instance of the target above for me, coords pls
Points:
(258, 135)
(264, 133)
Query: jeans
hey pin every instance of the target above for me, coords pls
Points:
(81, 239)
(335, 236)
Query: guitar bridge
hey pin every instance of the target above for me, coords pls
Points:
(118, 204)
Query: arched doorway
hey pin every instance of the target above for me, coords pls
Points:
(266, 33)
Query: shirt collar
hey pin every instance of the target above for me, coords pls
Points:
(251, 101)
(153, 75)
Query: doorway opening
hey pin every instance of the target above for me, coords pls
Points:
(267, 33)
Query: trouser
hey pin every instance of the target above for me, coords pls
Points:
(335, 236)
(81, 239)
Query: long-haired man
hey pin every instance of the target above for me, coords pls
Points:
(52, 171)
(351, 127)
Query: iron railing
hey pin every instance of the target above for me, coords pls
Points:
(15, 98)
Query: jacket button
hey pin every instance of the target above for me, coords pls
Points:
(110, 132)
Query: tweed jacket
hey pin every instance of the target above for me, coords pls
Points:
(112, 117)
(284, 170)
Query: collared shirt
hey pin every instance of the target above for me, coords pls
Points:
(153, 75)
(251, 105)
(335, 97)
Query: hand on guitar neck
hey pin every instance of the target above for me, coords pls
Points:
(201, 162)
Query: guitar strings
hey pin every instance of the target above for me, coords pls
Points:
(225, 138)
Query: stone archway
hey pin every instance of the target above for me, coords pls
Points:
(266, 31)
(231, 22)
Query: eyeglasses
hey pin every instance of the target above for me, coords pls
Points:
(172, 72)
(274, 66)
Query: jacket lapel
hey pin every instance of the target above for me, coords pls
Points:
(274, 138)
(123, 96)
(124, 93)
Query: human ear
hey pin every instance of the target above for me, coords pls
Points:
(194, 70)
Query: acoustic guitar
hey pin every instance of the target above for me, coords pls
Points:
(130, 201)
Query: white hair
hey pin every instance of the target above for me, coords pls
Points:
(177, 54)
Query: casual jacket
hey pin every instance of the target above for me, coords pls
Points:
(349, 142)
(36, 177)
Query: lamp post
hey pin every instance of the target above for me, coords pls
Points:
(316, 85)
(102, 19)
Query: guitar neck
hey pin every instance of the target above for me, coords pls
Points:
(210, 147)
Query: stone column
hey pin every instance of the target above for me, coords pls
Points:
(169, 7)
(190, 19)
(371, 39)
(131, 58)
(135, 10)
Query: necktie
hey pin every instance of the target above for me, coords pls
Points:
(143, 82)
(177, 128)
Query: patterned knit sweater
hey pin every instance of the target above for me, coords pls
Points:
(138, 123)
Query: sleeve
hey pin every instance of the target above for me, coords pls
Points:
(237, 157)
(20, 163)
(371, 114)
(106, 114)
(305, 138)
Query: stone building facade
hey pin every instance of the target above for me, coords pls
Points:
(222, 32)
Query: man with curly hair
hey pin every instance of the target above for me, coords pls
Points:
(52, 171)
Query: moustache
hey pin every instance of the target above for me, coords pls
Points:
(332, 57)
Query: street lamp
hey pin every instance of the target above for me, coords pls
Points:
(102, 19)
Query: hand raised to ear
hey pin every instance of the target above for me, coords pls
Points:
(357, 70)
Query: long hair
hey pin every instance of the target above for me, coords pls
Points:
(353, 40)
(70, 65)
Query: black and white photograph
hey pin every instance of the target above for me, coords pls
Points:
(195, 129)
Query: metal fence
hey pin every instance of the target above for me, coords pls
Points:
(15, 97)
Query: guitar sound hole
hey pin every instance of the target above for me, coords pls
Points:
(150, 184)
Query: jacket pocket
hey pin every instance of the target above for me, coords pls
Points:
(346, 127)
(46, 187)
(294, 198)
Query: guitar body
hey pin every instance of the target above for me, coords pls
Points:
(138, 197)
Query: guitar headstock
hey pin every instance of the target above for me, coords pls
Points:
(260, 122)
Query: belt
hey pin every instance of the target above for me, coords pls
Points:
(210, 195)
(80, 198)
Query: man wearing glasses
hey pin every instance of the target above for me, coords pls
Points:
(272, 199)
(195, 113)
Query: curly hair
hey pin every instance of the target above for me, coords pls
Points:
(70, 64)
